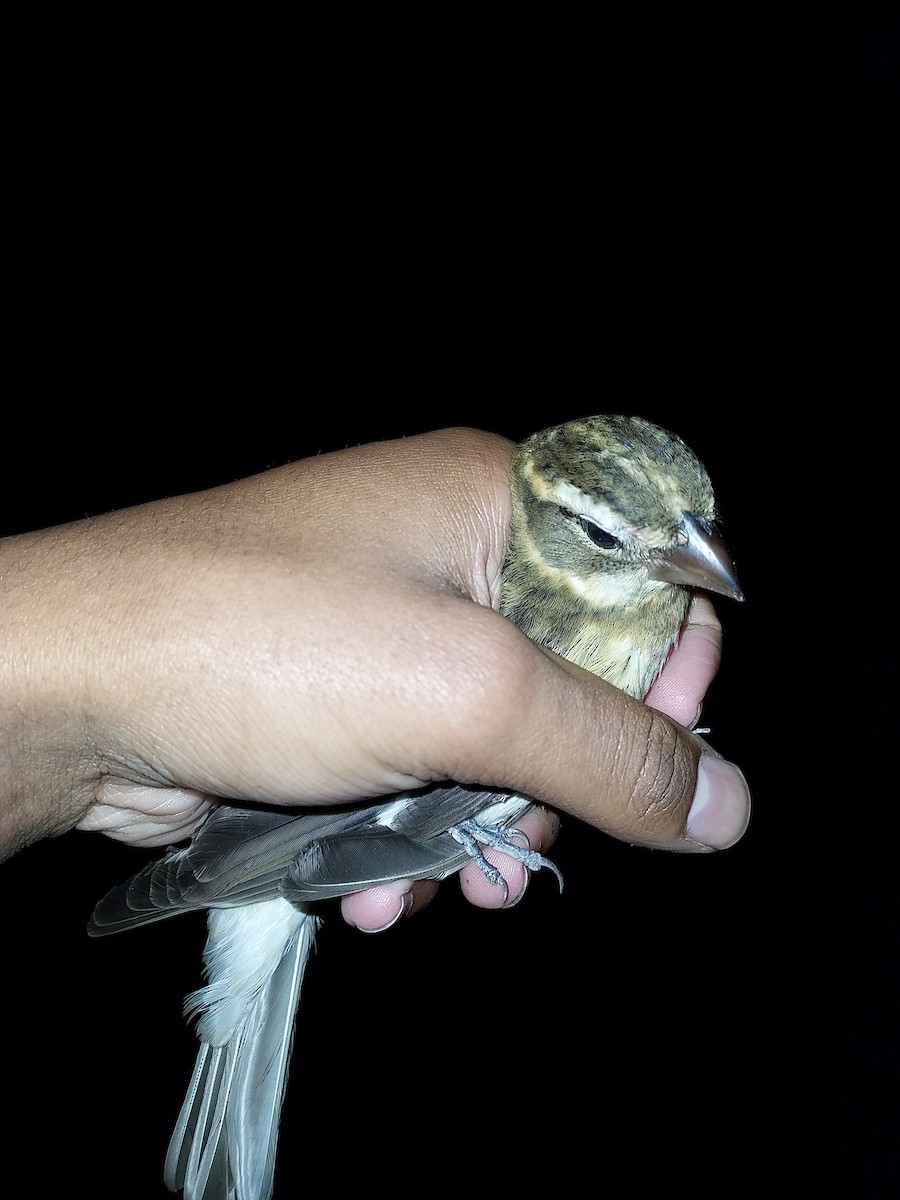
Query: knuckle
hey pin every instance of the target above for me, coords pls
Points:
(664, 782)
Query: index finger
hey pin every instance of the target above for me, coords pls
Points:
(691, 667)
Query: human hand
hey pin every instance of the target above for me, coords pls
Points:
(318, 634)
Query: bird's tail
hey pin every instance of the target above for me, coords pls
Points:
(224, 1142)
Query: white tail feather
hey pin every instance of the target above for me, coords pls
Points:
(223, 1145)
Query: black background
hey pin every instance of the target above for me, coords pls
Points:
(228, 248)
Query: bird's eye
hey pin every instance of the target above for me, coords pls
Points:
(598, 536)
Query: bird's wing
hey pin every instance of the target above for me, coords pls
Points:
(243, 856)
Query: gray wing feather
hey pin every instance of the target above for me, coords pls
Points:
(348, 863)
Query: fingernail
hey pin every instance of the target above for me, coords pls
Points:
(720, 812)
(406, 903)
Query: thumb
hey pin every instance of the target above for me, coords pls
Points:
(566, 738)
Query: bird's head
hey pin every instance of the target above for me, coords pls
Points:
(616, 508)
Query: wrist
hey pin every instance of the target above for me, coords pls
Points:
(43, 774)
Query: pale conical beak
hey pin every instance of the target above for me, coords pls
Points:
(702, 560)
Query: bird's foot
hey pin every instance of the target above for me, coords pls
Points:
(472, 835)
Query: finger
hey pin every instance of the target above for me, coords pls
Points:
(379, 908)
(140, 815)
(692, 666)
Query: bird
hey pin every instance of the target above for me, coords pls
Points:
(614, 524)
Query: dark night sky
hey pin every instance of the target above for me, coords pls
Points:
(227, 250)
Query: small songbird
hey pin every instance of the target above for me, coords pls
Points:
(613, 524)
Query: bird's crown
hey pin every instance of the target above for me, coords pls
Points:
(630, 476)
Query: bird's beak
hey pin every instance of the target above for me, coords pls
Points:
(701, 560)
